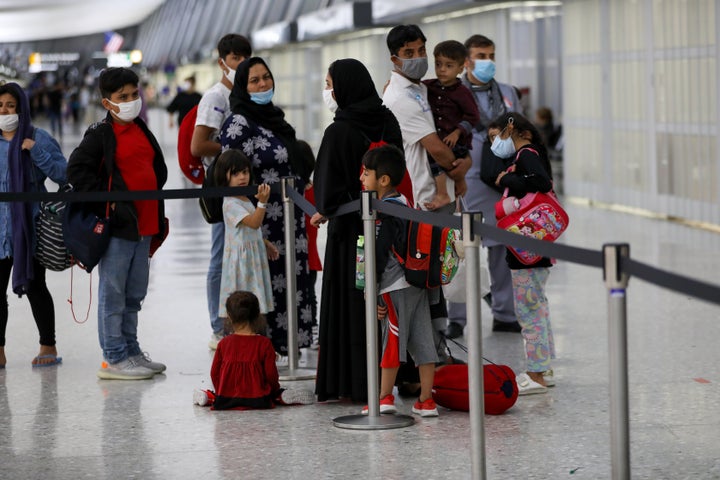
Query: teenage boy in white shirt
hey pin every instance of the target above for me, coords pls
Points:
(213, 109)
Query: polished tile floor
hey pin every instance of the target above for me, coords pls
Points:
(64, 423)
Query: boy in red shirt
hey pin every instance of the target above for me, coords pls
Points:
(121, 154)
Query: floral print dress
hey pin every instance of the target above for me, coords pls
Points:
(270, 164)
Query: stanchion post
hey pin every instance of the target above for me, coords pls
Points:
(616, 282)
(372, 421)
(371, 330)
(471, 242)
(293, 372)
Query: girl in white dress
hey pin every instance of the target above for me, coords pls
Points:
(246, 253)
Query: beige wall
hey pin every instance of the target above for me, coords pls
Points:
(641, 104)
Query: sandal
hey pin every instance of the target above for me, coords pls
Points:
(527, 386)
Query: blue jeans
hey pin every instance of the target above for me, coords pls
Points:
(214, 275)
(123, 283)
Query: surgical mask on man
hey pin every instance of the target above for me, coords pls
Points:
(484, 70)
(329, 100)
(128, 110)
(503, 148)
(9, 122)
(414, 68)
(262, 98)
(230, 74)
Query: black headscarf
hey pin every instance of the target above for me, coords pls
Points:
(20, 167)
(267, 116)
(355, 93)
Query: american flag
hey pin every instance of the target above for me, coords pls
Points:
(113, 42)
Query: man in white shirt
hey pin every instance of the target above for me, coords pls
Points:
(406, 97)
(212, 111)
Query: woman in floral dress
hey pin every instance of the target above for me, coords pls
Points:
(258, 128)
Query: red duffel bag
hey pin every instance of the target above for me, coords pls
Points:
(451, 388)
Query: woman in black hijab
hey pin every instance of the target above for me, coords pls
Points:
(258, 128)
(360, 119)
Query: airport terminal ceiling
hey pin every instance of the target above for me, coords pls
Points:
(177, 31)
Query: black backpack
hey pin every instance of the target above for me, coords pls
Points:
(211, 207)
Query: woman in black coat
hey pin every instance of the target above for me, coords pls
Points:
(359, 120)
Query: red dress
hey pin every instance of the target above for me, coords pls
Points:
(244, 373)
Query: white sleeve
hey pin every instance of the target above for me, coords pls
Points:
(211, 110)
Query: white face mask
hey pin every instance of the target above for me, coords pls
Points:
(329, 100)
(503, 147)
(128, 110)
(9, 122)
(230, 74)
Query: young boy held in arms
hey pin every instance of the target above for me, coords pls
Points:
(454, 110)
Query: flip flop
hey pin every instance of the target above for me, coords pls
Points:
(56, 361)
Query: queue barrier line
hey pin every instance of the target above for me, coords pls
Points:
(583, 256)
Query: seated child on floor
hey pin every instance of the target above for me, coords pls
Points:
(243, 371)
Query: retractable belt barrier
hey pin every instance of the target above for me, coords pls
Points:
(614, 259)
(583, 256)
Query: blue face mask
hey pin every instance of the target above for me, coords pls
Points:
(503, 148)
(262, 98)
(484, 70)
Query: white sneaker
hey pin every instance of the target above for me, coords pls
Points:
(528, 386)
(125, 370)
(315, 345)
(281, 360)
(214, 340)
(549, 377)
(200, 397)
(297, 397)
(143, 359)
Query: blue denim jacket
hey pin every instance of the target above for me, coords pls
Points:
(48, 161)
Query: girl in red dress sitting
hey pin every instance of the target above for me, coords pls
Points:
(243, 371)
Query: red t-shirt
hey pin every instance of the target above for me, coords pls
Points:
(134, 158)
(244, 373)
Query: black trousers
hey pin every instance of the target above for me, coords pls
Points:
(41, 303)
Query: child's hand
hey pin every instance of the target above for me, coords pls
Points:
(381, 312)
(263, 193)
(503, 173)
(27, 144)
(272, 251)
(452, 139)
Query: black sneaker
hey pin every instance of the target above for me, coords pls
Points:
(499, 326)
(454, 330)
